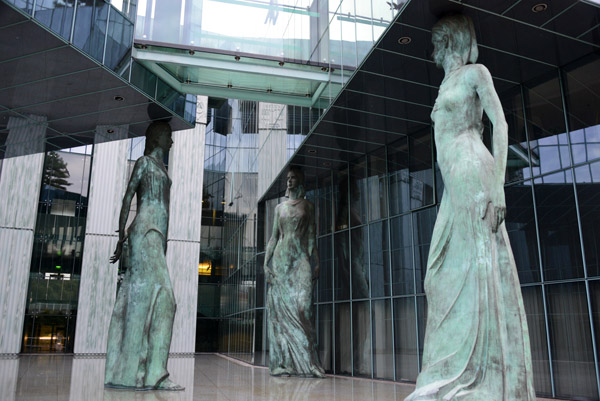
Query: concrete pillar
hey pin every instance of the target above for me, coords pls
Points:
(19, 195)
(98, 285)
(186, 169)
(272, 143)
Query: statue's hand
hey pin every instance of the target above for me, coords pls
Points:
(495, 211)
(118, 251)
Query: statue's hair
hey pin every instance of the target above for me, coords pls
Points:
(300, 175)
(154, 131)
(461, 33)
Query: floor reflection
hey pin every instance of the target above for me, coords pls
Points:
(205, 377)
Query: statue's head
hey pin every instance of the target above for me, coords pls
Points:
(295, 182)
(454, 34)
(158, 134)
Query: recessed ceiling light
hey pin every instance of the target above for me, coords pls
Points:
(110, 131)
(404, 40)
(538, 8)
(312, 151)
(191, 52)
(237, 58)
(119, 98)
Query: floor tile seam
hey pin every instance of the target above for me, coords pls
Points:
(391, 382)
(216, 385)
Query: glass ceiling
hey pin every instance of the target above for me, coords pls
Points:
(297, 52)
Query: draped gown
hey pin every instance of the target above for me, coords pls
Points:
(142, 320)
(289, 298)
(476, 339)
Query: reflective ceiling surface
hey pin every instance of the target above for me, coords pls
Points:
(42, 74)
(392, 93)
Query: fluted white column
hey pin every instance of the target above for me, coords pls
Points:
(98, 285)
(186, 168)
(272, 143)
(19, 195)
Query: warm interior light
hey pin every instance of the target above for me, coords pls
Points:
(205, 268)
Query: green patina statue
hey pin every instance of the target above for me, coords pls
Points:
(291, 279)
(140, 330)
(476, 339)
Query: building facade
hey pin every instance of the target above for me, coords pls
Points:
(365, 143)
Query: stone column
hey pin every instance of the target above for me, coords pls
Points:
(19, 196)
(272, 143)
(186, 169)
(98, 285)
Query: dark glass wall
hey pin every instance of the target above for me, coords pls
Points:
(53, 289)
(375, 218)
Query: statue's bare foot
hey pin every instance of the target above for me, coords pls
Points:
(318, 374)
(168, 385)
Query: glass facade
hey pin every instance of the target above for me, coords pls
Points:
(53, 289)
(375, 217)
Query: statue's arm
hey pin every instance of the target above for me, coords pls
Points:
(493, 108)
(312, 240)
(271, 245)
(136, 176)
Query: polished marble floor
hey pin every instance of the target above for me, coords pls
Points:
(206, 377)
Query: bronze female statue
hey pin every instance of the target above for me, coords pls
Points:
(476, 339)
(291, 280)
(140, 330)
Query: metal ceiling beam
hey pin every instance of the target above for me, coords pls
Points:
(233, 66)
(228, 93)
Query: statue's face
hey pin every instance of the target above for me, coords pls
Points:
(165, 141)
(292, 180)
(439, 41)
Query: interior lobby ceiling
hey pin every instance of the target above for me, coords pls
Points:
(43, 74)
(391, 94)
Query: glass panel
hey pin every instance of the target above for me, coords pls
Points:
(570, 341)
(325, 329)
(358, 193)
(402, 256)
(58, 16)
(361, 334)
(383, 365)
(377, 185)
(587, 177)
(534, 308)
(423, 223)
(341, 200)
(143, 79)
(53, 290)
(405, 332)
(343, 347)
(411, 172)
(120, 38)
(379, 257)
(341, 266)
(517, 164)
(557, 220)
(359, 242)
(90, 27)
(595, 302)
(324, 206)
(325, 282)
(520, 224)
(546, 126)
(582, 86)
(421, 323)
